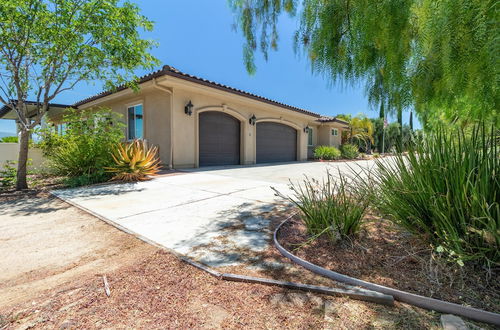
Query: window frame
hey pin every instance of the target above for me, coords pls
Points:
(134, 105)
(310, 136)
(335, 132)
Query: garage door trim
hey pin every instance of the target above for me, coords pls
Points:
(222, 109)
(288, 124)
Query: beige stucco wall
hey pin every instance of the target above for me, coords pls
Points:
(326, 137)
(156, 117)
(186, 127)
(166, 122)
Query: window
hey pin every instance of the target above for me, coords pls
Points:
(335, 132)
(310, 137)
(60, 129)
(135, 122)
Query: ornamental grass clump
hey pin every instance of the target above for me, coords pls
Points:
(334, 206)
(349, 151)
(134, 161)
(326, 153)
(446, 190)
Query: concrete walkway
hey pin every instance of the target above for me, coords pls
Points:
(217, 216)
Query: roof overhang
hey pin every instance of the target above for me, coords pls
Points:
(331, 120)
(168, 71)
(6, 111)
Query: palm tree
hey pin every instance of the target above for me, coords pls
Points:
(360, 129)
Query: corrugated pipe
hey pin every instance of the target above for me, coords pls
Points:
(406, 297)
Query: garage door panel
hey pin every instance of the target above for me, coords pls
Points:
(219, 139)
(276, 143)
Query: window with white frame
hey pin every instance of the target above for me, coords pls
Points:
(335, 131)
(135, 122)
(310, 137)
(60, 129)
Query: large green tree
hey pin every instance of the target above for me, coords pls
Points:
(440, 57)
(47, 47)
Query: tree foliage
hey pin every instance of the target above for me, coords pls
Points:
(440, 57)
(84, 148)
(49, 46)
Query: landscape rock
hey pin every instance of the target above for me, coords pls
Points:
(452, 322)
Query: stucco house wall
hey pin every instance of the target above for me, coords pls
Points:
(186, 127)
(166, 124)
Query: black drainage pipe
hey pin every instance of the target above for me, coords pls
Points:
(406, 297)
(354, 293)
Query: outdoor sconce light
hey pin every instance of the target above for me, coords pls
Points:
(252, 120)
(306, 129)
(188, 109)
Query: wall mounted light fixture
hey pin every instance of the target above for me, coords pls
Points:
(306, 129)
(252, 120)
(188, 109)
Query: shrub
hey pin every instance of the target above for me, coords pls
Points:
(334, 206)
(446, 190)
(349, 151)
(84, 148)
(8, 175)
(326, 153)
(134, 161)
(9, 139)
(86, 179)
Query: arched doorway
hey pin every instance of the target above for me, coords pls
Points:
(275, 143)
(219, 139)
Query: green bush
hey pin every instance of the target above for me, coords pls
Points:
(9, 139)
(334, 206)
(447, 191)
(84, 150)
(326, 153)
(349, 151)
(86, 179)
(8, 174)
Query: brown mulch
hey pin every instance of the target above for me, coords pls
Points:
(387, 255)
(159, 292)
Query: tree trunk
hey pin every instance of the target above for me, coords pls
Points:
(411, 120)
(381, 113)
(22, 162)
(400, 136)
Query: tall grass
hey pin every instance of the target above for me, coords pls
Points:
(333, 206)
(447, 190)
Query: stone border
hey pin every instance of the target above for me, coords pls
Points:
(406, 297)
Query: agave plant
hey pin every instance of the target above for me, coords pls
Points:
(134, 161)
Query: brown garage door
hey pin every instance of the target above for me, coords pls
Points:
(219, 139)
(276, 143)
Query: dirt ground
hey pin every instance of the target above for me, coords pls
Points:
(53, 258)
(46, 242)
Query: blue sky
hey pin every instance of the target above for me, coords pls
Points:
(197, 37)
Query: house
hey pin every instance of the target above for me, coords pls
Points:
(197, 122)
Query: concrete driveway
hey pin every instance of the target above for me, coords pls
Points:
(218, 216)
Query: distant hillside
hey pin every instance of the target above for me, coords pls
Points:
(3, 134)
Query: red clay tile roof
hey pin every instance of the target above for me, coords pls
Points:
(171, 71)
(332, 120)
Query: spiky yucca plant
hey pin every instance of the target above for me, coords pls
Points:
(134, 161)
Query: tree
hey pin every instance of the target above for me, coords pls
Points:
(47, 47)
(440, 57)
(360, 130)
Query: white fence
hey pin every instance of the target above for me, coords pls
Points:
(10, 151)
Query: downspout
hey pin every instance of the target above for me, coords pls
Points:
(171, 94)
